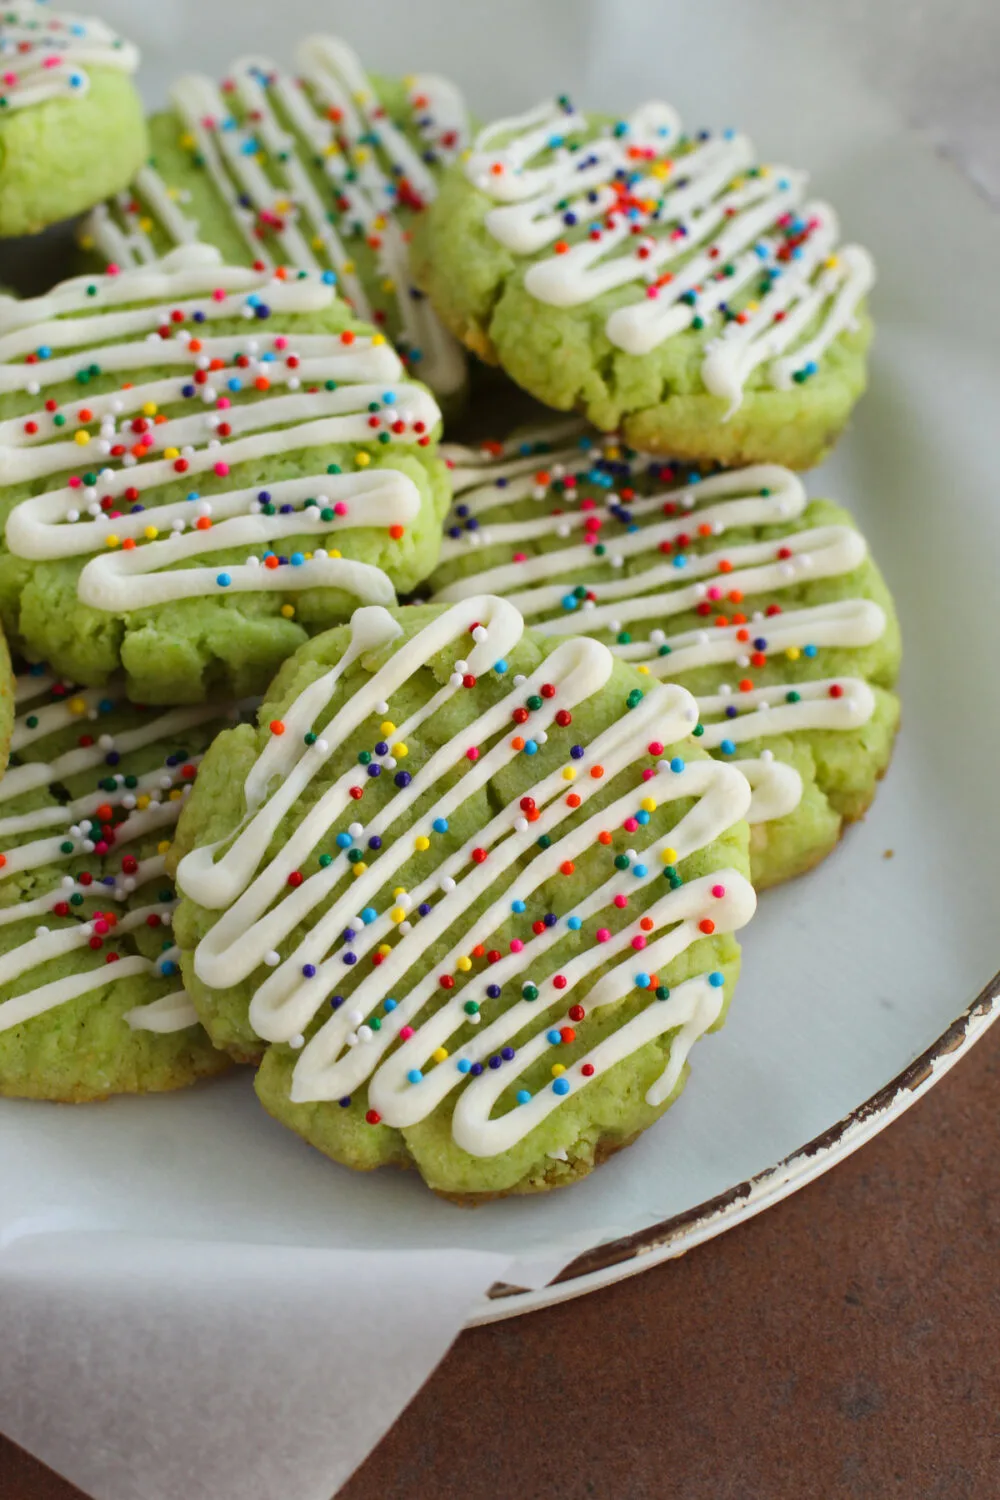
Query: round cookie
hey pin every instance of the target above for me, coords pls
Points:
(203, 465)
(475, 893)
(327, 169)
(91, 1000)
(665, 285)
(765, 605)
(71, 123)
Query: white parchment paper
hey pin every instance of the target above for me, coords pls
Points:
(193, 1304)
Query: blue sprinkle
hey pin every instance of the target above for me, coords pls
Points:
(345, 1102)
(523, 1097)
(415, 1076)
(642, 817)
(389, 397)
(716, 980)
(368, 915)
(223, 580)
(577, 752)
(574, 923)
(464, 1065)
(680, 561)
(642, 981)
(296, 559)
(677, 764)
(553, 1037)
(500, 667)
(495, 1062)
(727, 747)
(328, 278)
(389, 1006)
(640, 870)
(440, 825)
(476, 1069)
(336, 1001)
(234, 383)
(375, 842)
(809, 651)
(517, 906)
(530, 747)
(344, 840)
(402, 778)
(561, 1086)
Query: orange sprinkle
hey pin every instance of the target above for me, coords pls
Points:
(517, 743)
(203, 523)
(347, 337)
(262, 383)
(604, 838)
(725, 566)
(397, 532)
(646, 924)
(271, 562)
(567, 867)
(597, 772)
(706, 925)
(746, 686)
(572, 800)
(128, 544)
(276, 726)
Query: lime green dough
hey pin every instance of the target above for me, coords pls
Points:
(564, 357)
(840, 768)
(61, 156)
(215, 644)
(84, 1048)
(588, 1125)
(6, 702)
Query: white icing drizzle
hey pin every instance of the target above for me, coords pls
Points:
(292, 412)
(759, 496)
(45, 54)
(334, 117)
(152, 802)
(261, 908)
(690, 231)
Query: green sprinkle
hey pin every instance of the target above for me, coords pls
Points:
(621, 861)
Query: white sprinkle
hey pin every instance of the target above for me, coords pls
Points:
(272, 959)
(297, 1041)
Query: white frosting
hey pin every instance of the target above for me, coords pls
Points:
(152, 802)
(263, 172)
(261, 907)
(46, 54)
(753, 497)
(689, 232)
(292, 412)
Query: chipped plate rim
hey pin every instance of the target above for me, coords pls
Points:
(618, 1259)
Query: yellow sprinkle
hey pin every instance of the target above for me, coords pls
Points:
(77, 706)
(613, 452)
(175, 795)
(464, 964)
(145, 225)
(380, 222)
(466, 153)
(669, 856)
(377, 338)
(362, 459)
(399, 891)
(557, 1068)
(187, 141)
(384, 949)
(361, 154)
(388, 728)
(398, 914)
(832, 262)
(644, 670)
(171, 453)
(568, 773)
(359, 869)
(648, 804)
(764, 171)
(87, 242)
(317, 242)
(288, 610)
(142, 802)
(388, 286)
(662, 168)
(752, 307)
(409, 80)
(308, 556)
(151, 533)
(111, 541)
(440, 1054)
(793, 653)
(349, 268)
(163, 846)
(81, 436)
(399, 750)
(283, 206)
(150, 409)
(421, 843)
(334, 552)
(173, 193)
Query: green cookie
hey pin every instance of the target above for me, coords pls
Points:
(474, 891)
(71, 123)
(6, 702)
(327, 168)
(204, 465)
(91, 1002)
(762, 603)
(667, 286)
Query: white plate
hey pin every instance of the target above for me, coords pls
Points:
(851, 973)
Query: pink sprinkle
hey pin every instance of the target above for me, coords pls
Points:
(219, 294)
(101, 927)
(10, 79)
(648, 774)
(630, 825)
(51, 62)
(405, 1032)
(602, 934)
(223, 403)
(588, 504)
(638, 942)
(718, 890)
(516, 945)
(715, 592)
(75, 482)
(113, 269)
(281, 342)
(652, 292)
(621, 901)
(101, 848)
(560, 981)
(340, 509)
(520, 557)
(222, 470)
(472, 753)
(654, 747)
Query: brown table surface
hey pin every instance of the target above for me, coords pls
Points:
(842, 1346)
